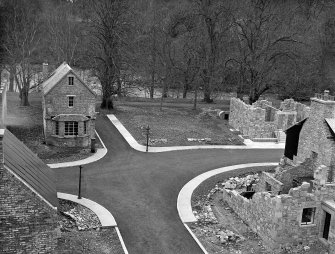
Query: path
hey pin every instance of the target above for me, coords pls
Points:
(141, 189)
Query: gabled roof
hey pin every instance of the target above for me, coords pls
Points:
(331, 124)
(57, 75)
(32, 170)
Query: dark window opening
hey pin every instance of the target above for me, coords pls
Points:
(71, 128)
(71, 101)
(57, 128)
(268, 187)
(85, 127)
(71, 81)
(308, 216)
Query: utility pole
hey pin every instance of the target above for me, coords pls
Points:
(79, 191)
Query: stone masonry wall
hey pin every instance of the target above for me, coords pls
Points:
(277, 219)
(261, 120)
(28, 224)
(250, 120)
(315, 134)
(56, 102)
(267, 178)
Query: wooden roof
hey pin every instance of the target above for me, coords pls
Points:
(31, 169)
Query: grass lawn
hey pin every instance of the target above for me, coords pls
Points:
(175, 123)
(26, 123)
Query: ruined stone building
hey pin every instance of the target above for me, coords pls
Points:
(295, 206)
(68, 109)
(262, 122)
(28, 200)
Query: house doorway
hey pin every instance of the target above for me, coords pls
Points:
(326, 226)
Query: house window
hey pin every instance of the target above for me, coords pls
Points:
(70, 81)
(308, 216)
(57, 128)
(85, 127)
(268, 186)
(71, 101)
(71, 128)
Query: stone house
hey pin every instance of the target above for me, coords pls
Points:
(68, 109)
(28, 200)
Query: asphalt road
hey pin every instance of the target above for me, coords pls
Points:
(141, 189)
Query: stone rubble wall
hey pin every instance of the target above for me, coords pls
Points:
(277, 219)
(267, 178)
(261, 120)
(250, 120)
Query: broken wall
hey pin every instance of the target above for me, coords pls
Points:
(261, 120)
(277, 220)
(250, 119)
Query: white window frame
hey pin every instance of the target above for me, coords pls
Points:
(71, 128)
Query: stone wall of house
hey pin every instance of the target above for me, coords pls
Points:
(267, 181)
(250, 119)
(288, 174)
(261, 120)
(315, 135)
(56, 102)
(277, 219)
(28, 224)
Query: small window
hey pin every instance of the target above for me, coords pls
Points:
(308, 216)
(268, 186)
(85, 127)
(71, 128)
(71, 101)
(70, 81)
(57, 128)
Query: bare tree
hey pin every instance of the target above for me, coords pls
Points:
(20, 42)
(108, 33)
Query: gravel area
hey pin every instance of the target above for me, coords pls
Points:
(81, 232)
(176, 126)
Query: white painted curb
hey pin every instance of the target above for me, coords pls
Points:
(184, 206)
(133, 143)
(100, 153)
(196, 239)
(105, 217)
(121, 240)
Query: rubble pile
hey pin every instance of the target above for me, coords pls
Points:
(205, 216)
(77, 217)
(221, 236)
(241, 183)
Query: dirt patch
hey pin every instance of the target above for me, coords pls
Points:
(175, 126)
(82, 233)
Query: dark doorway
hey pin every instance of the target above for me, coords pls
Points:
(327, 225)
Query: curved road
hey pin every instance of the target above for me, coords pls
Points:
(141, 189)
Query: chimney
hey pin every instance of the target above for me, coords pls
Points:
(45, 70)
(326, 95)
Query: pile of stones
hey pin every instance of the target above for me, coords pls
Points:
(77, 217)
(205, 216)
(241, 183)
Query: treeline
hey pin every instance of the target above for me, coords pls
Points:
(247, 46)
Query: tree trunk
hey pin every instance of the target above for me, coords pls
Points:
(186, 88)
(12, 74)
(107, 92)
(152, 87)
(195, 97)
(24, 93)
